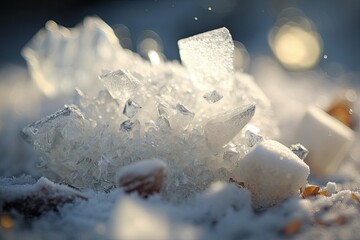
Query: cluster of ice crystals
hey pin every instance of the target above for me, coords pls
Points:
(144, 111)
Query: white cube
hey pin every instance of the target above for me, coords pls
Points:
(327, 139)
(272, 173)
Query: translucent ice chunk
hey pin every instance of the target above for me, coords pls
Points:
(253, 138)
(183, 110)
(212, 97)
(121, 85)
(67, 123)
(61, 59)
(129, 125)
(299, 150)
(131, 108)
(222, 128)
(208, 56)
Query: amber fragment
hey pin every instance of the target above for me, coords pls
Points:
(341, 110)
(310, 190)
(293, 227)
(324, 192)
(237, 183)
(354, 197)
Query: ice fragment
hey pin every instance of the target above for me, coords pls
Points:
(253, 138)
(61, 59)
(220, 129)
(212, 97)
(128, 125)
(131, 108)
(183, 110)
(121, 85)
(299, 150)
(209, 56)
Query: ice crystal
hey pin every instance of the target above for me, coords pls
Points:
(213, 96)
(253, 138)
(144, 111)
(299, 150)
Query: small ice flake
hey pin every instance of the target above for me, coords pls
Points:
(253, 138)
(213, 96)
(128, 125)
(131, 108)
(299, 150)
(183, 110)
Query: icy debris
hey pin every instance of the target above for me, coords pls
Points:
(209, 67)
(220, 129)
(253, 138)
(60, 59)
(331, 188)
(37, 199)
(213, 96)
(144, 111)
(145, 177)
(299, 150)
(279, 173)
(120, 84)
(131, 108)
(68, 123)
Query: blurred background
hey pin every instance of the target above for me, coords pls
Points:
(299, 34)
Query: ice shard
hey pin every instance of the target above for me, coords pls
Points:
(209, 57)
(222, 128)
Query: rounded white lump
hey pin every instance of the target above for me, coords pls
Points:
(272, 173)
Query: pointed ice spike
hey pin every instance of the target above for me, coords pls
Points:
(223, 127)
(121, 85)
(253, 138)
(183, 110)
(208, 56)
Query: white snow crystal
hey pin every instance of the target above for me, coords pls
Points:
(331, 187)
(272, 173)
